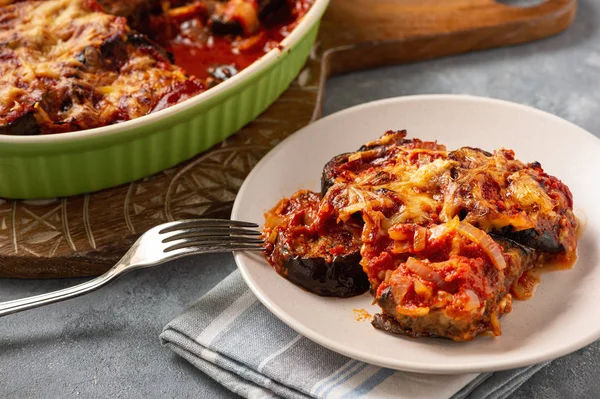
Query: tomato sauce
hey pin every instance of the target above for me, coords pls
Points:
(198, 58)
(201, 56)
(525, 287)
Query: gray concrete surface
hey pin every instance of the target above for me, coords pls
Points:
(106, 344)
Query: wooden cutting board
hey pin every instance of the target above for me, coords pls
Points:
(85, 235)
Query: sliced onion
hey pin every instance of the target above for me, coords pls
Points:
(358, 199)
(401, 247)
(481, 238)
(397, 234)
(505, 304)
(420, 239)
(412, 312)
(424, 271)
(354, 157)
(442, 229)
(473, 302)
(422, 290)
(272, 220)
(399, 290)
(272, 238)
(350, 210)
(451, 202)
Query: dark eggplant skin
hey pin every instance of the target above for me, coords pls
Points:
(329, 170)
(25, 125)
(526, 252)
(546, 241)
(399, 138)
(113, 53)
(386, 301)
(343, 277)
(267, 7)
(328, 176)
(322, 258)
(221, 26)
(389, 324)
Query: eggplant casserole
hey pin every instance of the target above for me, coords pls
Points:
(70, 65)
(442, 239)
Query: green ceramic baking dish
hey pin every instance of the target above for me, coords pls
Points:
(79, 162)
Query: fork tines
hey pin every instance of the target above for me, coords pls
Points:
(211, 235)
(206, 223)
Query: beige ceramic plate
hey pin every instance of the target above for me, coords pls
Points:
(562, 316)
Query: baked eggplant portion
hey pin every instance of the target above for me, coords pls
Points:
(492, 191)
(312, 251)
(88, 69)
(448, 237)
(506, 197)
(458, 294)
(346, 167)
(518, 201)
(69, 65)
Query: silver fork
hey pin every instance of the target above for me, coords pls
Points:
(158, 245)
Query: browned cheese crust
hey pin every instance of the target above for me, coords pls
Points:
(66, 65)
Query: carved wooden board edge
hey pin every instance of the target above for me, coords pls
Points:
(557, 16)
(85, 235)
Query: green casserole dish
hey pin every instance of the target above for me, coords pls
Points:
(47, 166)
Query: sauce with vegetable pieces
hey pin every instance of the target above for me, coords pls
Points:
(206, 54)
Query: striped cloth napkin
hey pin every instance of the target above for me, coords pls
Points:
(230, 336)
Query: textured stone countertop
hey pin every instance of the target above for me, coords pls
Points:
(106, 344)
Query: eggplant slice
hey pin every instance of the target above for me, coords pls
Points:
(330, 171)
(323, 258)
(372, 154)
(340, 277)
(423, 299)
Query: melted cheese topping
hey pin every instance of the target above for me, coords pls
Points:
(418, 182)
(412, 183)
(74, 67)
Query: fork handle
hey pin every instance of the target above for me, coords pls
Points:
(31, 302)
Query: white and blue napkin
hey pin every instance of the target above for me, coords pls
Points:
(229, 335)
